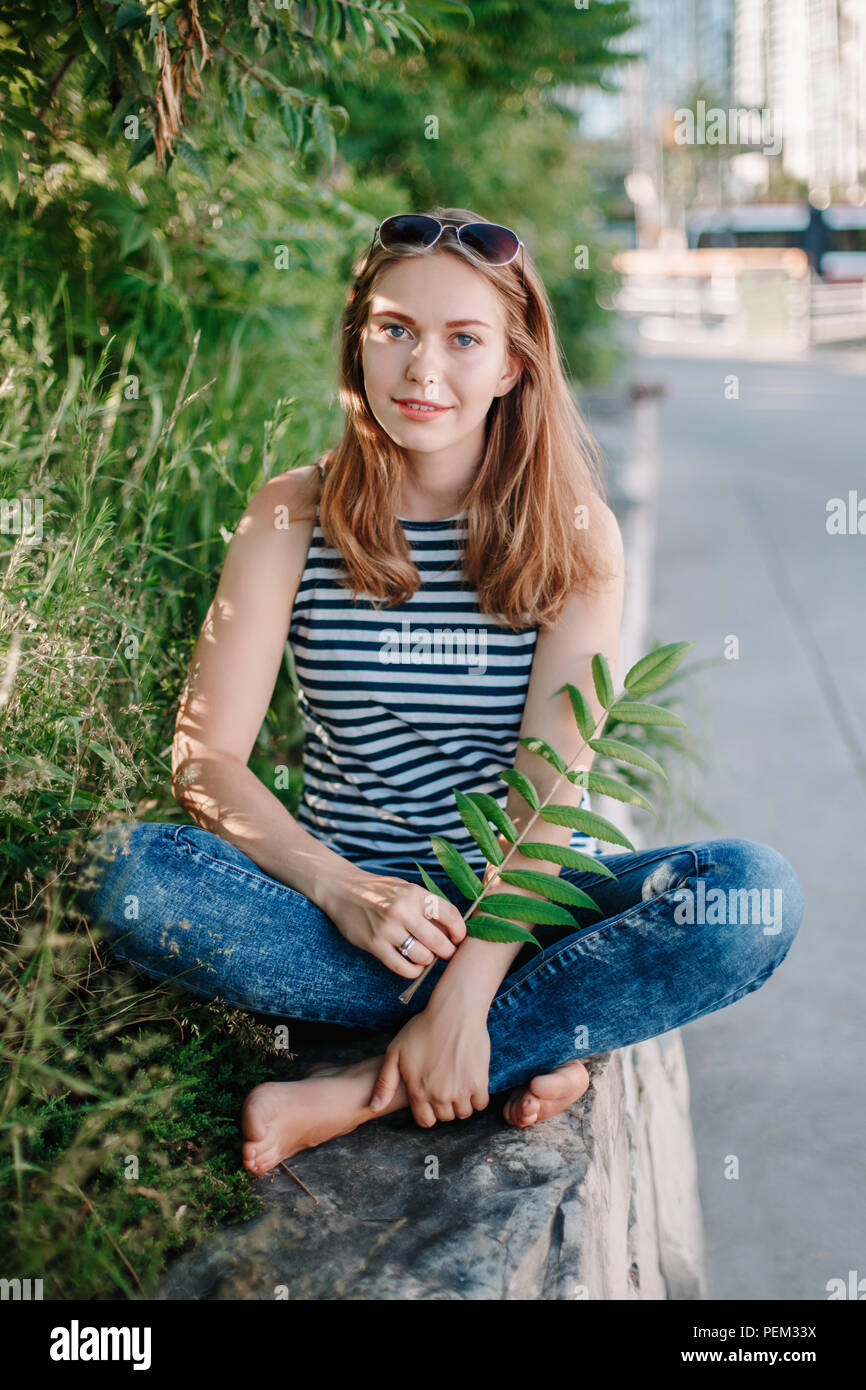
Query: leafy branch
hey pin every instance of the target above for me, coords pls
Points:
(146, 58)
(478, 811)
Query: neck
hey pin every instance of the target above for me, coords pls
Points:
(434, 485)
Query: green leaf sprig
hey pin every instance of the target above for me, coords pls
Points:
(500, 921)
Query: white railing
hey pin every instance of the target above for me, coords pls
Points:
(730, 296)
(837, 311)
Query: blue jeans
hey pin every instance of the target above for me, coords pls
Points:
(685, 930)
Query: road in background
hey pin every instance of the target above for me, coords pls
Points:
(750, 452)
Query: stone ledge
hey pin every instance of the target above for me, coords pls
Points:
(598, 1203)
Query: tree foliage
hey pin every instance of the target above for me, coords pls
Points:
(122, 122)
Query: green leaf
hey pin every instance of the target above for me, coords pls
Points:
(551, 885)
(565, 855)
(324, 134)
(238, 103)
(616, 748)
(544, 750)
(320, 22)
(582, 711)
(127, 107)
(602, 681)
(143, 146)
(496, 929)
(587, 822)
(23, 119)
(291, 121)
(527, 909)
(110, 759)
(612, 786)
(430, 882)
(345, 118)
(92, 78)
(75, 43)
(130, 16)
(410, 24)
(94, 36)
(134, 232)
(456, 868)
(8, 174)
(521, 783)
(637, 712)
(335, 24)
(356, 20)
(656, 668)
(476, 823)
(381, 29)
(494, 812)
(196, 160)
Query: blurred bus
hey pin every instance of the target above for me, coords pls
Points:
(834, 238)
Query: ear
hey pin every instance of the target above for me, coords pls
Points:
(509, 377)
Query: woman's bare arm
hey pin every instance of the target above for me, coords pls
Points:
(589, 623)
(231, 679)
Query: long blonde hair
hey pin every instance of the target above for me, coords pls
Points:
(528, 546)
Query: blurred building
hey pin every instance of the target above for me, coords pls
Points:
(799, 65)
(687, 49)
(686, 46)
(714, 47)
(806, 59)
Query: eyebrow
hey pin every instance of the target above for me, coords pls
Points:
(406, 318)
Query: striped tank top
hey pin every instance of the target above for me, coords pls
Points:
(402, 705)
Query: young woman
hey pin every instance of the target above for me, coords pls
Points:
(451, 567)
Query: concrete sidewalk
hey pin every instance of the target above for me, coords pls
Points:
(742, 550)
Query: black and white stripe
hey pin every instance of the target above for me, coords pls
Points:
(387, 739)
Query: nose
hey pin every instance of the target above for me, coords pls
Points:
(424, 366)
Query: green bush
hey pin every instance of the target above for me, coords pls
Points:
(167, 343)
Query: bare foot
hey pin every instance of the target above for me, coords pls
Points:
(280, 1118)
(546, 1095)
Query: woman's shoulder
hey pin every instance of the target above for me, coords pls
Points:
(602, 519)
(298, 489)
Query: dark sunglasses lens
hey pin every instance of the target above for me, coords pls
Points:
(495, 244)
(409, 230)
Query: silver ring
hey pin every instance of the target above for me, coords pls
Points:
(407, 945)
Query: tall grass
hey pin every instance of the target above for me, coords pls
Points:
(119, 1100)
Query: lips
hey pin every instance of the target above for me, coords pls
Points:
(419, 410)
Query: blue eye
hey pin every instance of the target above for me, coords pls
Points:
(387, 327)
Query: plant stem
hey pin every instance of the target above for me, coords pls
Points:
(90, 1206)
(407, 993)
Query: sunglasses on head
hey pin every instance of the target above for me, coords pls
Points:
(491, 243)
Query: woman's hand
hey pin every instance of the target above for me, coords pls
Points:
(443, 1056)
(377, 912)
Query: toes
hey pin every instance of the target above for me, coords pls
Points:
(546, 1095)
(261, 1164)
(527, 1112)
(560, 1082)
(556, 1085)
